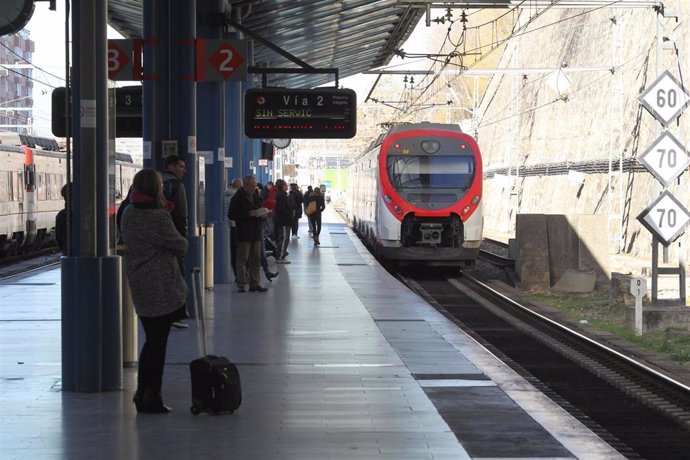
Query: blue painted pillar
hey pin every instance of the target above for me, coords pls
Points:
(210, 127)
(156, 84)
(234, 134)
(170, 104)
(91, 339)
(183, 123)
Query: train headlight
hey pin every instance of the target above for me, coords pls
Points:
(466, 209)
(431, 146)
(475, 200)
(397, 209)
(387, 199)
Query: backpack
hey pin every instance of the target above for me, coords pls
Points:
(170, 189)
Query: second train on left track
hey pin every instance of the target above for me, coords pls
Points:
(31, 179)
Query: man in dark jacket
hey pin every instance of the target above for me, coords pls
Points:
(246, 211)
(174, 192)
(296, 200)
(282, 221)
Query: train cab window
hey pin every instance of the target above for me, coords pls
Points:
(443, 171)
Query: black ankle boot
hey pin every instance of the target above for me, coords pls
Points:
(153, 404)
(139, 400)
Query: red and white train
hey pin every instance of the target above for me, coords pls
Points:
(415, 196)
(32, 173)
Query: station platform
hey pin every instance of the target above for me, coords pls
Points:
(337, 360)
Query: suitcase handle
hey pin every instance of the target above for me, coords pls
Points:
(197, 291)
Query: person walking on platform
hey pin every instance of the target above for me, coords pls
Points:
(158, 289)
(174, 192)
(305, 202)
(246, 211)
(296, 202)
(282, 220)
(227, 198)
(315, 217)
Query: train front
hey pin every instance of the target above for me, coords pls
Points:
(431, 186)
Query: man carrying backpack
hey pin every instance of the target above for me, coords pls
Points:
(174, 192)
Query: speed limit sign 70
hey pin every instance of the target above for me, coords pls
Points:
(666, 218)
(666, 158)
(665, 98)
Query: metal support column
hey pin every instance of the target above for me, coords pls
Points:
(91, 341)
(234, 136)
(210, 126)
(170, 103)
(156, 85)
(183, 122)
(616, 189)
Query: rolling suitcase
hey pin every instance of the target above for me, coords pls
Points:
(215, 380)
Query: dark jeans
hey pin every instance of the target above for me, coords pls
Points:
(295, 224)
(233, 248)
(315, 223)
(152, 356)
(281, 236)
(264, 259)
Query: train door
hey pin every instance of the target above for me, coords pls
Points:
(29, 196)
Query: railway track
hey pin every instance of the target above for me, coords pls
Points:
(14, 267)
(639, 410)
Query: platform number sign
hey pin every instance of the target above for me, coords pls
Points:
(665, 98)
(221, 60)
(666, 218)
(666, 158)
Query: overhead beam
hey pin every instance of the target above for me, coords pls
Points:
(505, 4)
(480, 72)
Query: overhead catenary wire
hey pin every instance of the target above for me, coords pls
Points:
(494, 46)
(414, 105)
(31, 64)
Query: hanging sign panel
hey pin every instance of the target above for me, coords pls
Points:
(280, 113)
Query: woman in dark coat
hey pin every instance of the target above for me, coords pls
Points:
(315, 217)
(158, 289)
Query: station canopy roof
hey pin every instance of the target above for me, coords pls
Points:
(352, 36)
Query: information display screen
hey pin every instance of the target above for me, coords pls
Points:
(320, 113)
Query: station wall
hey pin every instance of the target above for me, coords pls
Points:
(525, 121)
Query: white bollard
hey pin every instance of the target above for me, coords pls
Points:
(638, 288)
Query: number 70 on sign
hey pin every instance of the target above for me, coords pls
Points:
(666, 218)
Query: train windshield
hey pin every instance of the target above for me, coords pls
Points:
(409, 171)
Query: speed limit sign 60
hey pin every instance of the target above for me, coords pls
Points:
(666, 98)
